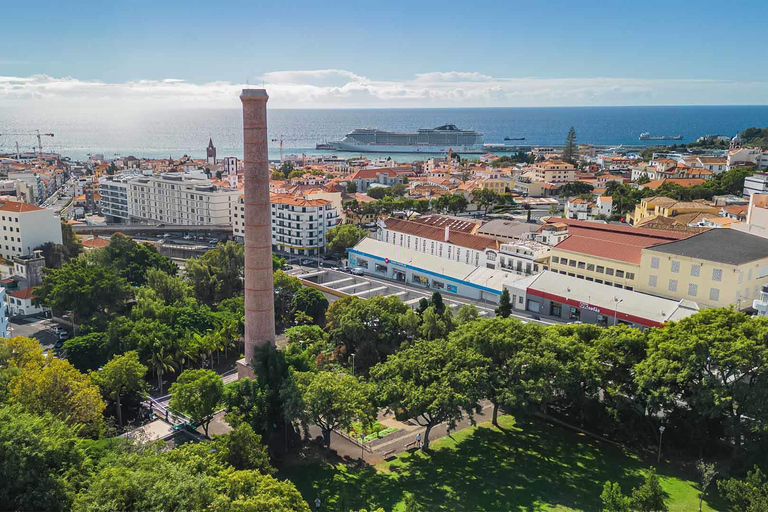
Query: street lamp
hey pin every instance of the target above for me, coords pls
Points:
(662, 428)
(353, 364)
(616, 309)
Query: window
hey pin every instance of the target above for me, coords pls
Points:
(717, 274)
(591, 267)
(714, 294)
(630, 275)
(675, 267)
(572, 263)
(695, 270)
(555, 259)
(749, 275)
(600, 269)
(653, 280)
(608, 283)
(672, 285)
(654, 262)
(609, 271)
(582, 264)
(564, 261)
(555, 309)
(599, 281)
(619, 273)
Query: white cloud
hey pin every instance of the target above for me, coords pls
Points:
(338, 88)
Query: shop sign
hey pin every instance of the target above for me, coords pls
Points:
(589, 307)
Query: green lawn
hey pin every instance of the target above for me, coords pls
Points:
(534, 466)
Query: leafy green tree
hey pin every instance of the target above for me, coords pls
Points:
(333, 401)
(649, 497)
(278, 263)
(88, 352)
(84, 289)
(286, 287)
(505, 304)
(452, 203)
(570, 152)
(437, 302)
(132, 259)
(16, 353)
(613, 499)
(520, 369)
(430, 382)
(43, 461)
(707, 472)
(351, 187)
(710, 361)
(577, 188)
(466, 313)
(371, 328)
(312, 302)
(343, 237)
(58, 388)
(197, 393)
(170, 288)
(747, 495)
(485, 198)
(247, 402)
(435, 325)
(122, 375)
(217, 274)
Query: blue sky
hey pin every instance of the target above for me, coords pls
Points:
(383, 52)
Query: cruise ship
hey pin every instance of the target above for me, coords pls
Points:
(442, 139)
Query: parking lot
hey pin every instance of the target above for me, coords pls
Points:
(40, 329)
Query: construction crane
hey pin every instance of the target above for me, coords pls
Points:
(39, 140)
(280, 140)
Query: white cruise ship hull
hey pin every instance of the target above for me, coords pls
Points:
(387, 148)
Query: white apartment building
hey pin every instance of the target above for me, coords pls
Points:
(554, 171)
(24, 227)
(739, 157)
(756, 184)
(299, 225)
(443, 242)
(582, 209)
(522, 256)
(171, 198)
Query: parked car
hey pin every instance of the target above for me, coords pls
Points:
(63, 335)
(306, 262)
(187, 237)
(287, 267)
(357, 271)
(213, 241)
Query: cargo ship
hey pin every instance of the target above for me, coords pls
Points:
(442, 139)
(648, 136)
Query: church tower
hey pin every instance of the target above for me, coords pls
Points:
(211, 152)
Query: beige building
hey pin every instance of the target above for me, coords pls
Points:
(716, 268)
(554, 171)
(661, 206)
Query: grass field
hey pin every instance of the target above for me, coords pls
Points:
(529, 467)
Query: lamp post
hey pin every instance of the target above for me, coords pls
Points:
(662, 428)
(353, 364)
(616, 309)
(736, 433)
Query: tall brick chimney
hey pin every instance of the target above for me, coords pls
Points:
(259, 294)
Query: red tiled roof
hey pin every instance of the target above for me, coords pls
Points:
(96, 242)
(18, 207)
(615, 242)
(371, 174)
(26, 293)
(477, 242)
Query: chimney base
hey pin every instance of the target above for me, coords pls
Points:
(244, 371)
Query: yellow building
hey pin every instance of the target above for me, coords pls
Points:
(716, 268)
(661, 206)
(497, 185)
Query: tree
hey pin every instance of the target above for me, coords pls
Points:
(613, 499)
(170, 288)
(286, 168)
(343, 237)
(577, 188)
(706, 473)
(467, 313)
(437, 302)
(505, 304)
(246, 402)
(88, 352)
(485, 198)
(242, 449)
(278, 263)
(520, 369)
(570, 152)
(748, 495)
(285, 287)
(333, 401)
(217, 274)
(430, 382)
(122, 375)
(58, 388)
(351, 187)
(453, 203)
(312, 302)
(649, 497)
(435, 325)
(276, 176)
(43, 461)
(197, 393)
(710, 361)
(84, 289)
(15, 354)
(132, 259)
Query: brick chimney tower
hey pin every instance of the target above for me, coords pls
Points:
(259, 295)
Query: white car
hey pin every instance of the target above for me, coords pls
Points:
(357, 271)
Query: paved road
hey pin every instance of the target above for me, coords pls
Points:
(37, 328)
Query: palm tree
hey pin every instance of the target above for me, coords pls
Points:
(185, 351)
(161, 362)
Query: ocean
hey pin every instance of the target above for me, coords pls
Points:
(79, 133)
